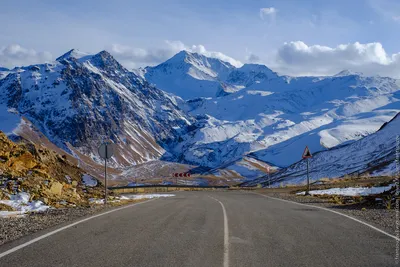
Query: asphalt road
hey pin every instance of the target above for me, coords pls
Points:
(190, 229)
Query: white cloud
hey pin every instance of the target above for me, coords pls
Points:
(133, 57)
(200, 49)
(16, 55)
(252, 58)
(267, 12)
(396, 18)
(297, 58)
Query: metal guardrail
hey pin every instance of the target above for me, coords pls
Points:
(167, 186)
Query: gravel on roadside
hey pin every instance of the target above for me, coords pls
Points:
(12, 228)
(379, 217)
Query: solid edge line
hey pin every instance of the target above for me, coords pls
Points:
(333, 211)
(14, 249)
(226, 234)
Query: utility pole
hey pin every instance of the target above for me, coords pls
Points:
(105, 179)
(308, 177)
(307, 155)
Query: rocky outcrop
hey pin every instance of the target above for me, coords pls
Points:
(44, 174)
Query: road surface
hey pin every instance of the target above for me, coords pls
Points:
(215, 228)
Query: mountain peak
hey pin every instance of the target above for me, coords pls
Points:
(183, 55)
(105, 60)
(255, 67)
(104, 54)
(194, 58)
(73, 53)
(347, 73)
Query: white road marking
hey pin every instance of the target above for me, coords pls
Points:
(226, 234)
(345, 215)
(14, 249)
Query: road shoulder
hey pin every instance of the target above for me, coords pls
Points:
(23, 228)
(383, 219)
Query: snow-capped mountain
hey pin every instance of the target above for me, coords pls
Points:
(80, 100)
(274, 117)
(374, 154)
(234, 120)
(190, 75)
(3, 72)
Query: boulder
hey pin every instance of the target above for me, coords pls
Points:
(23, 162)
(56, 188)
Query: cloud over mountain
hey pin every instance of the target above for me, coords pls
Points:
(298, 58)
(16, 55)
(134, 57)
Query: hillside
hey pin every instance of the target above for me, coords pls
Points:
(273, 117)
(81, 100)
(42, 175)
(371, 155)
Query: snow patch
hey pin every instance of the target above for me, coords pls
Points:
(21, 204)
(145, 196)
(89, 180)
(351, 191)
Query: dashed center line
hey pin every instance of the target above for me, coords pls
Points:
(226, 234)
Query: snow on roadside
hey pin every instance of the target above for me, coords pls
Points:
(96, 201)
(21, 204)
(146, 196)
(126, 197)
(351, 191)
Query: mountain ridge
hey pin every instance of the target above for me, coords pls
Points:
(373, 155)
(79, 100)
(83, 101)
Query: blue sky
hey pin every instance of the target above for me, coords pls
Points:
(292, 37)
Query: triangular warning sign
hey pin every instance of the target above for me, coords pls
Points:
(306, 153)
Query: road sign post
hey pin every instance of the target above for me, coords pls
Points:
(106, 151)
(308, 177)
(269, 177)
(307, 155)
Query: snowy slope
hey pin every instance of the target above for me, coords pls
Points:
(81, 100)
(190, 75)
(272, 116)
(3, 72)
(230, 116)
(374, 154)
(279, 122)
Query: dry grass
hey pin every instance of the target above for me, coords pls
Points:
(4, 207)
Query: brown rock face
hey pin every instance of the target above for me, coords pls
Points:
(42, 173)
(56, 188)
(23, 162)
